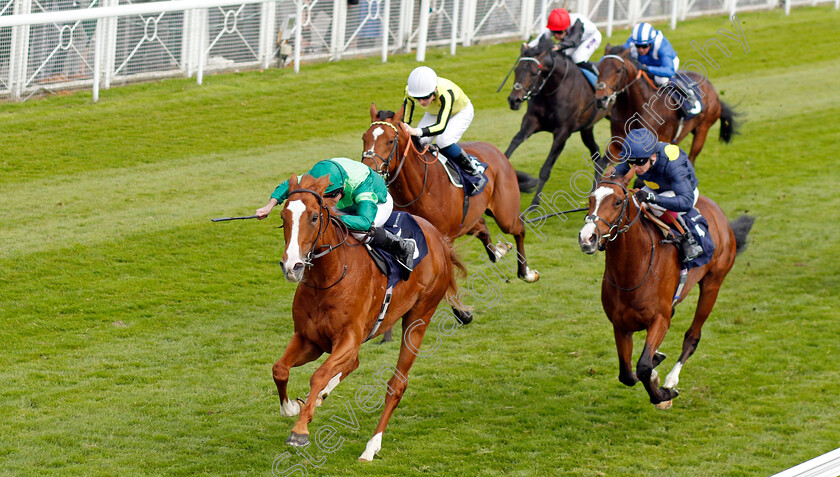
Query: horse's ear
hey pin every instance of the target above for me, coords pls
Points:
(524, 49)
(625, 180)
(399, 116)
(293, 182)
(607, 49)
(321, 184)
(372, 112)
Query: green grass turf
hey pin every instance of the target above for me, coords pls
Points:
(138, 336)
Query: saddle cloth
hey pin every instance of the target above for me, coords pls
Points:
(458, 177)
(403, 225)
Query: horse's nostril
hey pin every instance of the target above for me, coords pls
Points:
(298, 267)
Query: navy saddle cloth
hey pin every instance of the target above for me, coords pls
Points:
(403, 225)
(682, 83)
(698, 227)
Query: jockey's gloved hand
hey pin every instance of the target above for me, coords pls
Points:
(415, 131)
(644, 67)
(645, 196)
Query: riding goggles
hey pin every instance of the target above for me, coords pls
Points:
(638, 161)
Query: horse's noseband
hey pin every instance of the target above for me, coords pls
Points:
(615, 224)
(322, 226)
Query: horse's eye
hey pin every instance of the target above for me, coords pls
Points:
(617, 202)
(314, 219)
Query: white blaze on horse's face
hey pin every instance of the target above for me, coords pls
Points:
(292, 261)
(588, 233)
(376, 133)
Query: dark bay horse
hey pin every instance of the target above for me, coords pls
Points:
(339, 297)
(419, 185)
(635, 101)
(641, 278)
(560, 101)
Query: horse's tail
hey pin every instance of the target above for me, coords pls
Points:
(462, 312)
(728, 124)
(741, 227)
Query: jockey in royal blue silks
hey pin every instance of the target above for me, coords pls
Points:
(657, 57)
(670, 181)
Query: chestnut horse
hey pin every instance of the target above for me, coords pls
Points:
(640, 280)
(560, 101)
(339, 297)
(635, 101)
(419, 185)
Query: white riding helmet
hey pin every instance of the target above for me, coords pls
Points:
(422, 82)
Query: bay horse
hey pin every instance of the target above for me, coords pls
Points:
(635, 101)
(560, 101)
(640, 279)
(339, 296)
(419, 185)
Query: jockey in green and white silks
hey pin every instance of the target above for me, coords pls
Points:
(448, 114)
(364, 202)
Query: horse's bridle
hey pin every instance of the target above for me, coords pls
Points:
(624, 76)
(383, 169)
(615, 224)
(593, 218)
(322, 227)
(539, 85)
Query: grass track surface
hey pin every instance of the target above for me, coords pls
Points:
(138, 337)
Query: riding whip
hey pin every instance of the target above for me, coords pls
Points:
(224, 219)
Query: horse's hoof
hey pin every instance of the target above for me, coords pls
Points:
(372, 448)
(664, 405)
(290, 408)
(298, 440)
(531, 276)
(463, 316)
(502, 248)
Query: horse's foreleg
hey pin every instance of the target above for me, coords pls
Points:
(624, 345)
(414, 329)
(299, 351)
(599, 163)
(645, 367)
(528, 127)
(708, 296)
(560, 138)
(517, 229)
(343, 360)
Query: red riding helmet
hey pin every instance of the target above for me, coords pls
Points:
(558, 20)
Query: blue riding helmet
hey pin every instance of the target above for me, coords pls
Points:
(329, 168)
(643, 34)
(639, 143)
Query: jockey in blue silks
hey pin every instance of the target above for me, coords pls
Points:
(670, 181)
(657, 57)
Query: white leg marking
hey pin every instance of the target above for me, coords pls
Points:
(501, 249)
(673, 377)
(289, 408)
(531, 275)
(373, 447)
(293, 250)
(330, 386)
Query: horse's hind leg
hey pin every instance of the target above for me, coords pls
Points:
(413, 331)
(599, 163)
(482, 233)
(299, 351)
(343, 360)
(698, 141)
(708, 296)
(645, 367)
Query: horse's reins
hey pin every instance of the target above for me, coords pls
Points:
(386, 162)
(312, 255)
(593, 218)
(544, 79)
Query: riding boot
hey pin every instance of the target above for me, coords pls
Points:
(468, 163)
(401, 249)
(689, 248)
(691, 106)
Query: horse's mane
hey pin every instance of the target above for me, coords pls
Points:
(385, 114)
(544, 45)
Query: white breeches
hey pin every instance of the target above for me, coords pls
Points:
(456, 128)
(382, 213)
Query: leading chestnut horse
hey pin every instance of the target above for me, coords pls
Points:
(635, 101)
(339, 297)
(419, 185)
(640, 279)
